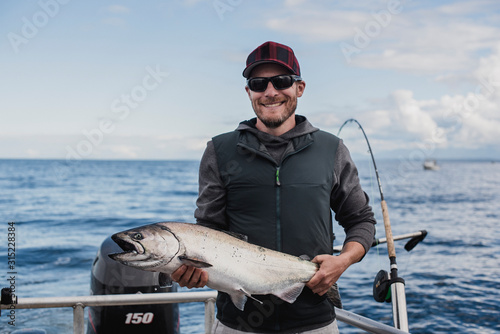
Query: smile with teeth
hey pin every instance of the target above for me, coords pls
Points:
(272, 105)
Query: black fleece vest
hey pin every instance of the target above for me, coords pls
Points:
(285, 207)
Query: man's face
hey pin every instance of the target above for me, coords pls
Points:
(274, 107)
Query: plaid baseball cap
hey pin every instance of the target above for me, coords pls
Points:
(271, 52)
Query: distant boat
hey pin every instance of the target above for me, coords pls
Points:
(431, 165)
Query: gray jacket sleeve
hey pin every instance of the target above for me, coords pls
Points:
(211, 202)
(350, 202)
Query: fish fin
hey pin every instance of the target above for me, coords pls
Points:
(291, 293)
(233, 234)
(305, 257)
(251, 297)
(198, 263)
(237, 235)
(333, 296)
(239, 299)
(164, 280)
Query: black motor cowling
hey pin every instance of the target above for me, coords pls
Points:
(111, 277)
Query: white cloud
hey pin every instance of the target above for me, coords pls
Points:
(488, 73)
(191, 3)
(317, 25)
(435, 40)
(292, 3)
(125, 151)
(466, 7)
(411, 117)
(477, 131)
(378, 119)
(117, 9)
(326, 120)
(401, 121)
(404, 123)
(425, 44)
(475, 114)
(114, 21)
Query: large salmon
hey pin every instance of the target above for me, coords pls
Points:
(234, 266)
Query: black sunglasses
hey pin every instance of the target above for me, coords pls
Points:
(283, 81)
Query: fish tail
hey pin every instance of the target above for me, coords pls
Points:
(333, 295)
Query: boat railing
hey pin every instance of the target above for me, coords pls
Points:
(78, 303)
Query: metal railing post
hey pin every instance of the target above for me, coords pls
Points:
(209, 315)
(399, 306)
(78, 319)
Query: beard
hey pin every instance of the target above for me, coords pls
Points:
(274, 120)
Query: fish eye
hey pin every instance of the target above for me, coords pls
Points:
(137, 236)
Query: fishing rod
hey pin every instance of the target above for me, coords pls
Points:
(396, 283)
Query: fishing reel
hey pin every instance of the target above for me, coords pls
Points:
(382, 283)
(382, 287)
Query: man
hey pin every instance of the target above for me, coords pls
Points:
(275, 179)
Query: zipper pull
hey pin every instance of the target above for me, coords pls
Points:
(278, 176)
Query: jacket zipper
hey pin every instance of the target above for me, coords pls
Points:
(278, 209)
(278, 197)
(278, 176)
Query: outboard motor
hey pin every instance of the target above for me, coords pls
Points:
(110, 277)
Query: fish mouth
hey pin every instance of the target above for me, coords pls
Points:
(131, 249)
(128, 246)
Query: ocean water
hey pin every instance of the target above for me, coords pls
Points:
(63, 212)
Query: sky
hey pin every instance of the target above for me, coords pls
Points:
(157, 79)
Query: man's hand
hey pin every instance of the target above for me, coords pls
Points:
(190, 277)
(332, 267)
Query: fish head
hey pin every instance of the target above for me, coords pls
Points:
(149, 247)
